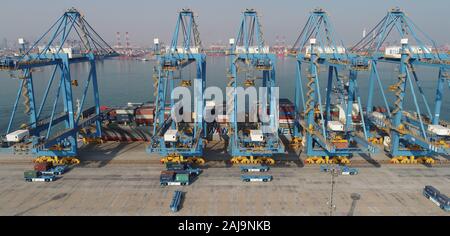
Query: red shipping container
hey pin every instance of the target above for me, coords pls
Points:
(283, 117)
(145, 111)
(112, 113)
(340, 145)
(42, 166)
(144, 121)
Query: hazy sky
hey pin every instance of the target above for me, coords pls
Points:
(217, 19)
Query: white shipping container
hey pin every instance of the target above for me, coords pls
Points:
(439, 130)
(170, 135)
(17, 135)
(256, 135)
(378, 115)
(335, 125)
(286, 121)
(125, 111)
(395, 51)
(71, 52)
(182, 50)
(133, 104)
(252, 50)
(324, 50)
(144, 116)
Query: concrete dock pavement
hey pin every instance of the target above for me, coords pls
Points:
(122, 179)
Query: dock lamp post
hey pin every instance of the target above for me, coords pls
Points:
(334, 172)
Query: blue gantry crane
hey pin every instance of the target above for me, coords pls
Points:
(252, 140)
(179, 141)
(410, 137)
(333, 127)
(56, 134)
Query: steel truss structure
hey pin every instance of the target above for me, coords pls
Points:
(43, 138)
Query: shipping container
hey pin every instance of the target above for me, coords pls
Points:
(145, 115)
(167, 175)
(182, 177)
(104, 108)
(42, 166)
(341, 144)
(125, 111)
(174, 178)
(121, 118)
(170, 135)
(256, 136)
(378, 115)
(30, 174)
(335, 126)
(439, 130)
(135, 104)
(145, 110)
(286, 121)
(17, 135)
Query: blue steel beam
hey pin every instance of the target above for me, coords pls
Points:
(179, 55)
(418, 49)
(51, 55)
(317, 45)
(249, 48)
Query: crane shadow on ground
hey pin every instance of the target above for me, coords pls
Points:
(291, 155)
(54, 198)
(105, 153)
(370, 160)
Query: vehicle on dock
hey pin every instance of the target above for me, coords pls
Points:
(36, 176)
(176, 201)
(438, 198)
(174, 178)
(254, 168)
(256, 178)
(57, 170)
(343, 170)
(183, 167)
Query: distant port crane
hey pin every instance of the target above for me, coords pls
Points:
(250, 142)
(409, 137)
(179, 141)
(331, 130)
(56, 134)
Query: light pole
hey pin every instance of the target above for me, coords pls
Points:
(334, 172)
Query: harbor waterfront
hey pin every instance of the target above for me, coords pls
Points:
(123, 81)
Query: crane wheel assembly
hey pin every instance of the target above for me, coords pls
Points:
(175, 158)
(57, 161)
(198, 160)
(412, 160)
(326, 160)
(251, 160)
